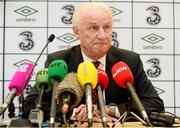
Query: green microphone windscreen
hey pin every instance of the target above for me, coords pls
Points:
(42, 80)
(57, 70)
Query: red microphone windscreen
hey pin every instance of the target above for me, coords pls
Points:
(103, 78)
(21, 78)
(121, 74)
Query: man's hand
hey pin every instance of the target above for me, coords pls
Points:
(81, 114)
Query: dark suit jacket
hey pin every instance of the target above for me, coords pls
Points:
(114, 93)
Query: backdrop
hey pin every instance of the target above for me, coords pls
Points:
(148, 27)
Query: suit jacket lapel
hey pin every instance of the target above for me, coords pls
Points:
(75, 59)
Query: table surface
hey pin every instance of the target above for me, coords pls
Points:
(125, 124)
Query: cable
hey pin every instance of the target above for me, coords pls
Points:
(65, 120)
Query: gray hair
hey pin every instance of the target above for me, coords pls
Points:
(84, 7)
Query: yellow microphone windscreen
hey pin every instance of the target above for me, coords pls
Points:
(87, 74)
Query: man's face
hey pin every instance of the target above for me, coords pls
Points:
(95, 33)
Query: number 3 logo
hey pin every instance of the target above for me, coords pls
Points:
(27, 42)
(154, 18)
(155, 70)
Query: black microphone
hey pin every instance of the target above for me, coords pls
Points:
(57, 70)
(50, 39)
(42, 85)
(163, 119)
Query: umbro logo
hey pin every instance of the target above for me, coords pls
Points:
(25, 11)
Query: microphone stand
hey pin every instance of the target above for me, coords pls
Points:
(21, 101)
(11, 110)
(36, 115)
(128, 112)
(17, 122)
(88, 97)
(53, 104)
(102, 107)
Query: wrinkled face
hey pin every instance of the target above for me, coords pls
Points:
(95, 32)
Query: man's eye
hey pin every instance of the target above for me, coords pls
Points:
(94, 27)
(106, 27)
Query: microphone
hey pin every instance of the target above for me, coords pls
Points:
(68, 93)
(18, 82)
(103, 81)
(123, 77)
(42, 85)
(87, 76)
(163, 119)
(56, 73)
(42, 81)
(50, 39)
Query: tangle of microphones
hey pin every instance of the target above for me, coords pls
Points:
(21, 79)
(68, 95)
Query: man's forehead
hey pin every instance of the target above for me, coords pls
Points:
(90, 22)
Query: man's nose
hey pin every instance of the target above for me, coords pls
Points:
(101, 33)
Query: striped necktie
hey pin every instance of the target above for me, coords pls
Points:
(96, 63)
(94, 94)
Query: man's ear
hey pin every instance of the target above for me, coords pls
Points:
(76, 31)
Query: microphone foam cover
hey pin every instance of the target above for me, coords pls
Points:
(21, 77)
(87, 74)
(57, 69)
(121, 74)
(42, 80)
(103, 78)
(51, 37)
(69, 85)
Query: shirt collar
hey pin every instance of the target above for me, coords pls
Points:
(102, 60)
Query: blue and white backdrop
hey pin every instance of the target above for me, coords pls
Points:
(148, 27)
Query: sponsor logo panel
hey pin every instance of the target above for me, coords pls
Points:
(12, 62)
(158, 67)
(177, 68)
(64, 39)
(1, 13)
(153, 15)
(29, 14)
(1, 67)
(177, 16)
(166, 92)
(177, 41)
(1, 40)
(121, 38)
(25, 40)
(151, 41)
(177, 95)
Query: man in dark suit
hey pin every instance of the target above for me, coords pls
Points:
(92, 24)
